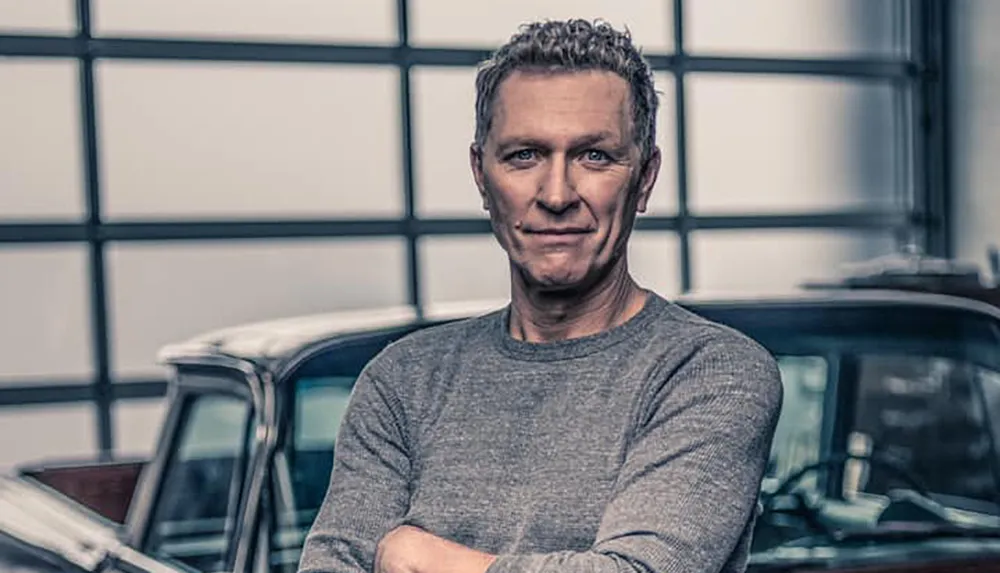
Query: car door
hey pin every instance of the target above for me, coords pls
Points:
(191, 507)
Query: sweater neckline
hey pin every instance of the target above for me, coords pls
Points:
(574, 347)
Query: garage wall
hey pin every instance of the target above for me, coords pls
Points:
(208, 141)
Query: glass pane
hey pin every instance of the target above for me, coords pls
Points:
(46, 434)
(137, 426)
(925, 413)
(30, 16)
(989, 381)
(463, 268)
(781, 144)
(159, 294)
(254, 140)
(794, 28)
(776, 260)
(320, 404)
(664, 198)
(654, 260)
(45, 305)
(974, 144)
(302, 20)
(41, 167)
(445, 22)
(193, 519)
(444, 124)
(797, 437)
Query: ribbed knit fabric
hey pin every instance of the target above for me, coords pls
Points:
(639, 449)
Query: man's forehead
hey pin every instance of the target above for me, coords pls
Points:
(585, 99)
(536, 84)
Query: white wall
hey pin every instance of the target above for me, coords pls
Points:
(203, 140)
(975, 107)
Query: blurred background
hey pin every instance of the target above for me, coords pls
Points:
(169, 167)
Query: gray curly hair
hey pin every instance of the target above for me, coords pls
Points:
(565, 46)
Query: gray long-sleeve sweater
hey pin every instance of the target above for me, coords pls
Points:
(639, 449)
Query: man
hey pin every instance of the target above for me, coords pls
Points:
(591, 425)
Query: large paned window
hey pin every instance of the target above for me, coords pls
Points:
(189, 165)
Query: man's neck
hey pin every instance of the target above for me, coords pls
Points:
(545, 317)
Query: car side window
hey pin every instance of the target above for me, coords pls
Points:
(989, 381)
(797, 436)
(320, 404)
(929, 414)
(195, 513)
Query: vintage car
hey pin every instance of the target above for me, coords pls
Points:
(885, 459)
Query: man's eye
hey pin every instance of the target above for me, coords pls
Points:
(523, 155)
(596, 156)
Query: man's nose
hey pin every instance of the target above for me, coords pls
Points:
(557, 192)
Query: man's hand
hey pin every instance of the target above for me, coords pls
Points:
(409, 549)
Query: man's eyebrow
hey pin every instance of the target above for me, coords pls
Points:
(527, 141)
(592, 138)
(519, 141)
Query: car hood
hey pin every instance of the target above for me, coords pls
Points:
(18, 558)
(39, 525)
(44, 520)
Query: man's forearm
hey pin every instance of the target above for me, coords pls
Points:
(409, 549)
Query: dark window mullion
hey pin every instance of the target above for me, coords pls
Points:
(97, 271)
(932, 129)
(406, 139)
(683, 216)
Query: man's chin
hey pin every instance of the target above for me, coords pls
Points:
(556, 282)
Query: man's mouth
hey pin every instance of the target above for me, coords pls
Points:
(557, 230)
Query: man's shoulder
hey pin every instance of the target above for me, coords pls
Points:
(680, 324)
(430, 344)
(718, 350)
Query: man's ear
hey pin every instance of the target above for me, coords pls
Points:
(647, 179)
(476, 164)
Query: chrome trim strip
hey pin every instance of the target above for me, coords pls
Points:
(137, 518)
(265, 440)
(139, 560)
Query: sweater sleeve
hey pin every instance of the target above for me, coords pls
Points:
(687, 491)
(368, 493)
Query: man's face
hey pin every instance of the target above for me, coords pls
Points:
(561, 175)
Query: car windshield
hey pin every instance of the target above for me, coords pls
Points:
(889, 416)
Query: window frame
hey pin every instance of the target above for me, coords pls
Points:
(921, 73)
(278, 490)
